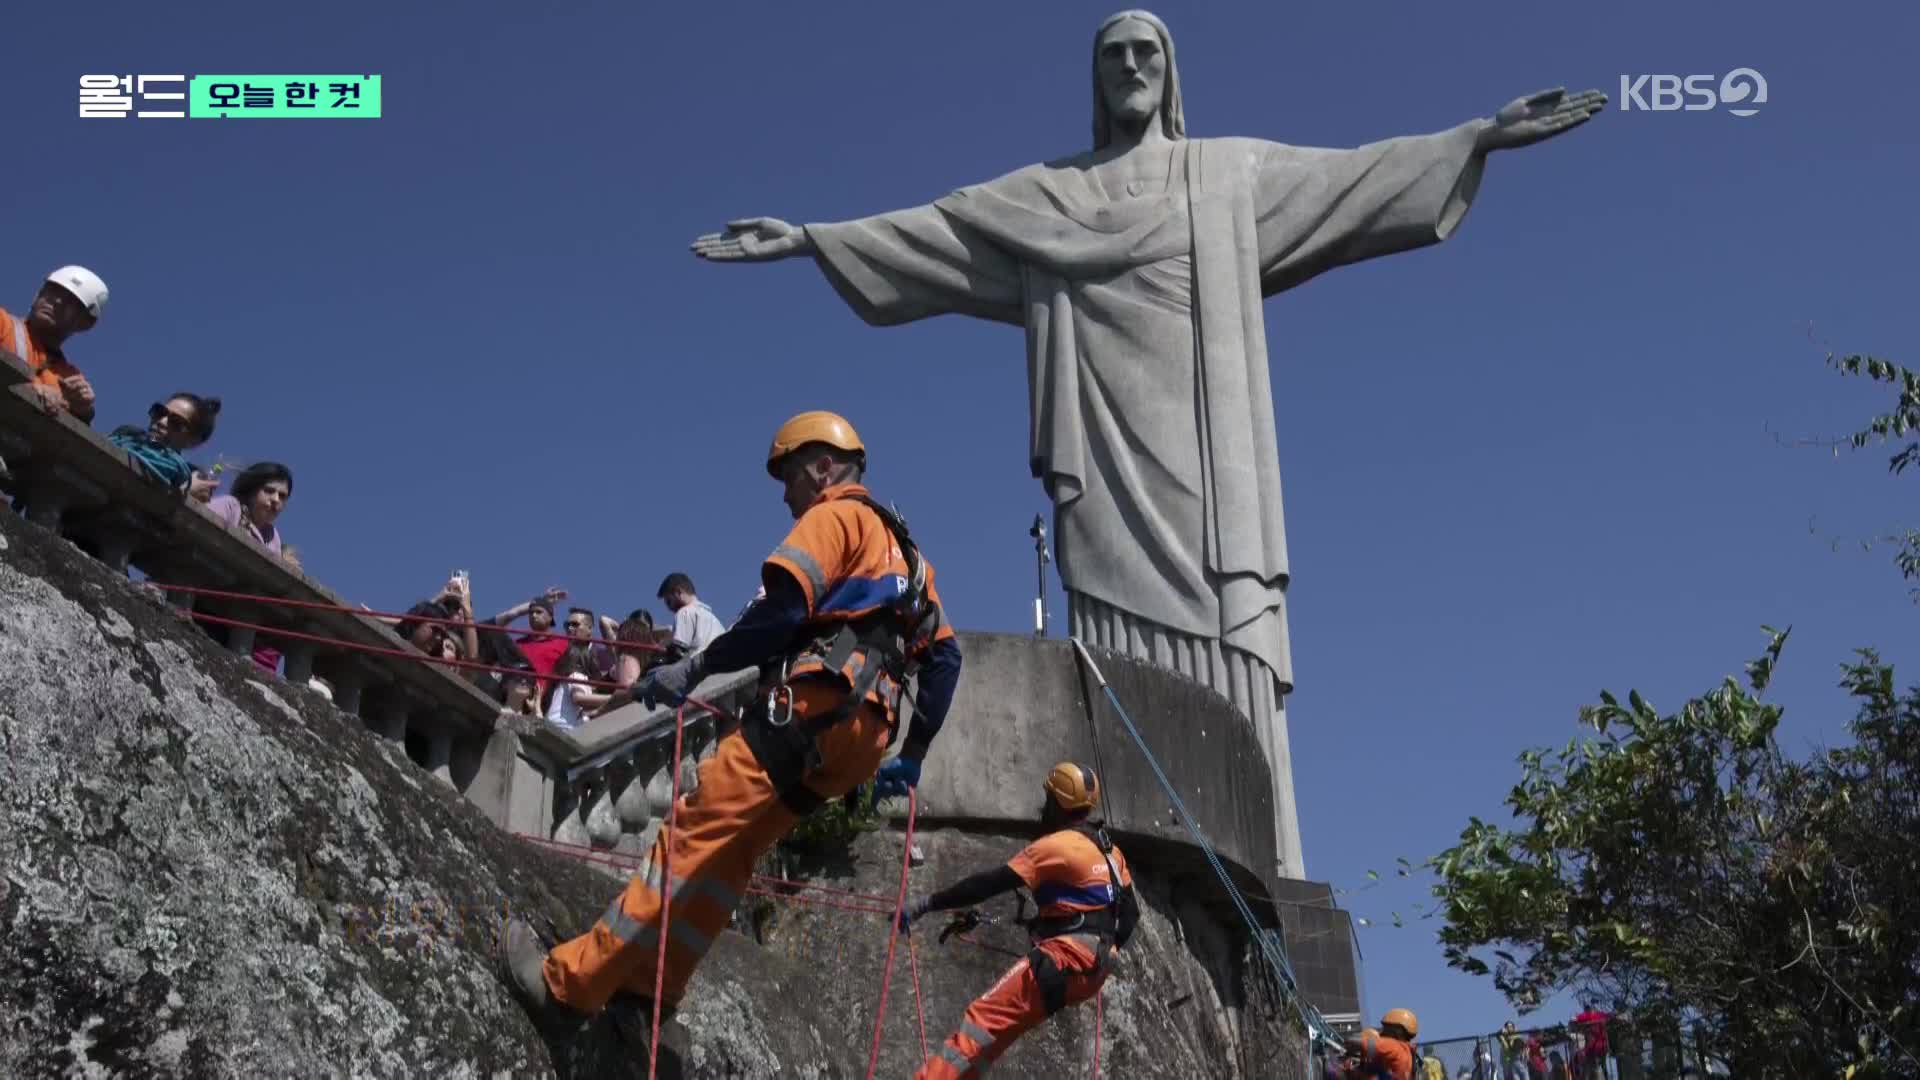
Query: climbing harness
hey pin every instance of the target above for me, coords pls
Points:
(1110, 926)
(859, 652)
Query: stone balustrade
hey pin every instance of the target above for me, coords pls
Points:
(572, 786)
(608, 783)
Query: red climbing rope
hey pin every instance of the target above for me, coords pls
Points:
(893, 935)
(1099, 996)
(760, 884)
(666, 894)
(811, 887)
(315, 605)
(379, 650)
(919, 1007)
(835, 904)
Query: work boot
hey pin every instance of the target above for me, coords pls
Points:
(524, 956)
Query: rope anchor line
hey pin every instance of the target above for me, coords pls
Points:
(1317, 1027)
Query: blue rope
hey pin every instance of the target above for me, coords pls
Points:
(1276, 958)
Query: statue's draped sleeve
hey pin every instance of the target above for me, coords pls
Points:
(911, 264)
(1315, 209)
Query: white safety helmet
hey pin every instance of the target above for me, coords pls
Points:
(85, 284)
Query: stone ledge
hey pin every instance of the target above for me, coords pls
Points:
(1025, 704)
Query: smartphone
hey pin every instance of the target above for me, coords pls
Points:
(461, 577)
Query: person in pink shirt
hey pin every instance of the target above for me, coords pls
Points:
(253, 506)
(255, 502)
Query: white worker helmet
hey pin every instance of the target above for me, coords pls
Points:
(82, 283)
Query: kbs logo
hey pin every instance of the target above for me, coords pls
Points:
(1741, 91)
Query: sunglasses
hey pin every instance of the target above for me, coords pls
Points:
(173, 420)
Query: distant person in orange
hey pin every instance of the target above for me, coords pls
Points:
(1386, 1054)
(69, 302)
(1087, 911)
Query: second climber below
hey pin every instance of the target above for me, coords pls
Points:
(850, 615)
(1088, 909)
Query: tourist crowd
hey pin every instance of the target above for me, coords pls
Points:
(1576, 1050)
(565, 676)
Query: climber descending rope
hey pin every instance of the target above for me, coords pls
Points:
(850, 614)
(1087, 911)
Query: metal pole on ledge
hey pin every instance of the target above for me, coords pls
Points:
(1040, 556)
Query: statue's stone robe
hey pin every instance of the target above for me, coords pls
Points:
(1152, 409)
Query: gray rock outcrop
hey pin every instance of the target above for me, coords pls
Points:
(205, 871)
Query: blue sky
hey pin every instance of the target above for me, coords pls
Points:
(1532, 462)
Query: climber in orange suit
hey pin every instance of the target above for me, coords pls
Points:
(850, 614)
(1386, 1053)
(1087, 909)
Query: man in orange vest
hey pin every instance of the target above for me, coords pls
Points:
(69, 302)
(1081, 883)
(850, 614)
(1387, 1053)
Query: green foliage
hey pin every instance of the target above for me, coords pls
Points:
(1686, 869)
(1682, 867)
(833, 826)
(1902, 422)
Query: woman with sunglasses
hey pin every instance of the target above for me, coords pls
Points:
(181, 423)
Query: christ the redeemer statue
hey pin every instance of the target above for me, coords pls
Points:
(1137, 270)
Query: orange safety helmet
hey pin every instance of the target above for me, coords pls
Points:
(1404, 1019)
(1073, 787)
(814, 427)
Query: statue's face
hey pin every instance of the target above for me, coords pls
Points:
(1133, 70)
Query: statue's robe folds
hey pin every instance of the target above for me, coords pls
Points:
(1152, 409)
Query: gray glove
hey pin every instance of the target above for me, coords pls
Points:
(670, 685)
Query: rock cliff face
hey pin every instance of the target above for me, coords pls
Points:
(205, 871)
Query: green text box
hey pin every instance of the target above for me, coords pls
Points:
(241, 97)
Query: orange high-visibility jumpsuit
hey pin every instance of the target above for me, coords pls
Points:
(847, 565)
(48, 367)
(1385, 1059)
(1068, 876)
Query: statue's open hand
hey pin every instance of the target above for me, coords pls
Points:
(755, 239)
(1527, 120)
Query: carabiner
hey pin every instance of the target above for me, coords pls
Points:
(780, 706)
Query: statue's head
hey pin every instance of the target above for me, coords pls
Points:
(1134, 77)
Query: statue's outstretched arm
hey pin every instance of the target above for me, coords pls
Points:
(754, 239)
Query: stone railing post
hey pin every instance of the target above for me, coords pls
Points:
(240, 639)
(47, 501)
(390, 723)
(440, 757)
(116, 547)
(347, 686)
(299, 656)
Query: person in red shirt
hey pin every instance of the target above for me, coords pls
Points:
(542, 652)
(850, 616)
(1087, 911)
(69, 302)
(1591, 1060)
